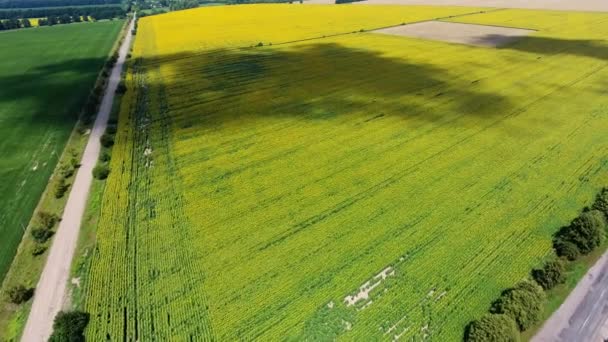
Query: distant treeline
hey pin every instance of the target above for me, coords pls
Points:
(97, 12)
(346, 1)
(53, 3)
(12, 24)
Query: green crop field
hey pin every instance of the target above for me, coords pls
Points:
(45, 76)
(354, 187)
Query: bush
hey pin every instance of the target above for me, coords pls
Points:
(121, 88)
(41, 235)
(66, 171)
(551, 274)
(495, 328)
(69, 326)
(104, 156)
(586, 232)
(20, 294)
(107, 140)
(523, 303)
(61, 188)
(74, 162)
(38, 250)
(111, 129)
(101, 171)
(47, 220)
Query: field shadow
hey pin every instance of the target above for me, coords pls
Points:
(313, 82)
(597, 49)
(41, 87)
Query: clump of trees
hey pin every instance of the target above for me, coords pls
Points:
(69, 326)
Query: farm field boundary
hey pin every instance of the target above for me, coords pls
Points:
(345, 187)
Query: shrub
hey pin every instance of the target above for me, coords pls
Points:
(101, 171)
(111, 129)
(47, 220)
(107, 140)
(105, 156)
(551, 274)
(60, 188)
(523, 303)
(121, 88)
(74, 162)
(69, 326)
(20, 294)
(66, 171)
(495, 328)
(38, 250)
(41, 235)
(586, 232)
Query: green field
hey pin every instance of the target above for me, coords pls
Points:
(353, 187)
(45, 76)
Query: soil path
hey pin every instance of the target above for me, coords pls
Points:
(51, 290)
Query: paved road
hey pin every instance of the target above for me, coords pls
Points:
(584, 315)
(52, 288)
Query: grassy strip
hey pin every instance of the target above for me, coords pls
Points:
(27, 268)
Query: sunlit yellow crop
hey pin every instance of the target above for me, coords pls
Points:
(340, 184)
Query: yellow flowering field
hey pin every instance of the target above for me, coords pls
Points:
(340, 184)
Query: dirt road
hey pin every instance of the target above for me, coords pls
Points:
(51, 289)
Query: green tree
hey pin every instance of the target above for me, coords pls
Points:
(551, 274)
(69, 326)
(523, 303)
(492, 328)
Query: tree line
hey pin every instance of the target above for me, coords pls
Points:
(11, 24)
(53, 3)
(97, 12)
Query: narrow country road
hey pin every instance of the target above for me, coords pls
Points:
(584, 314)
(51, 290)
